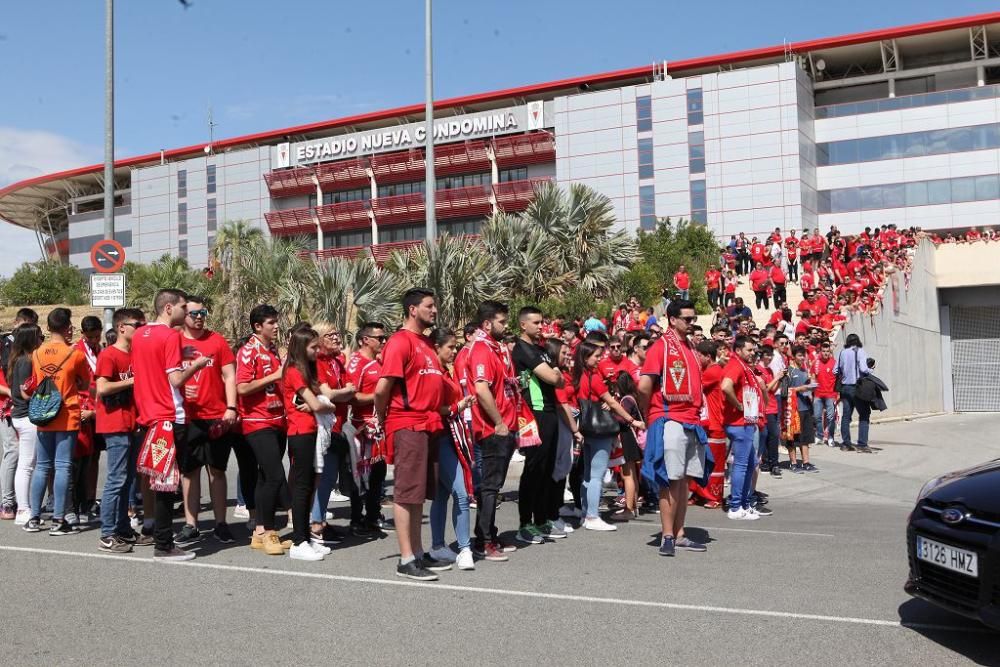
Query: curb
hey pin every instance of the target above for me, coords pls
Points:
(908, 418)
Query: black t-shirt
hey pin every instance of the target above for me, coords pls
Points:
(19, 375)
(540, 396)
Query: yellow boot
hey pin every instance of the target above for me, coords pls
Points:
(272, 544)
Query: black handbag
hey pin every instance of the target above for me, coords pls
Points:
(595, 421)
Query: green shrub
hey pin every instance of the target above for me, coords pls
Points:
(45, 283)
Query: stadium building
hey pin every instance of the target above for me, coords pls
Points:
(890, 126)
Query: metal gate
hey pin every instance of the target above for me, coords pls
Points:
(975, 358)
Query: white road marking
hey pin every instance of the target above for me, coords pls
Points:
(766, 532)
(511, 593)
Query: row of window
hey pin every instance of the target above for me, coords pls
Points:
(910, 144)
(647, 207)
(920, 193)
(644, 113)
(695, 106)
(398, 233)
(645, 146)
(182, 216)
(696, 152)
(908, 101)
(699, 202)
(210, 181)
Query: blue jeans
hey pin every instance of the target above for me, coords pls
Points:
(121, 451)
(741, 439)
(55, 450)
(848, 405)
(823, 408)
(327, 478)
(451, 483)
(596, 454)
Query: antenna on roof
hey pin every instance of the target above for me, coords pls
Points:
(211, 129)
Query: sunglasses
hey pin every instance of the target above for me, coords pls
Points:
(614, 347)
(380, 339)
(134, 325)
(689, 319)
(194, 314)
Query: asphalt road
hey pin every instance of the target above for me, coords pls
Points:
(818, 583)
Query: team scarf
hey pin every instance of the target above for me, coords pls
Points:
(791, 420)
(750, 381)
(527, 427)
(461, 438)
(675, 385)
(158, 457)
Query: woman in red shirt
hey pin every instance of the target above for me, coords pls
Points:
(759, 283)
(299, 393)
(590, 386)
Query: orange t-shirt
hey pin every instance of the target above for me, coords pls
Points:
(44, 361)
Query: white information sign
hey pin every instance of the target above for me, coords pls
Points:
(107, 290)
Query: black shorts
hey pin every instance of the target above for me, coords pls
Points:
(205, 451)
(807, 431)
(630, 446)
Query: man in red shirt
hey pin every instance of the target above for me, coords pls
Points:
(713, 283)
(682, 282)
(670, 397)
(159, 376)
(743, 410)
(408, 399)
(778, 279)
(792, 253)
(616, 361)
(818, 245)
(363, 372)
(757, 252)
(210, 404)
(262, 417)
(711, 379)
(759, 283)
(116, 423)
(494, 419)
(825, 396)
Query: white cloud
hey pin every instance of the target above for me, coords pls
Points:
(26, 154)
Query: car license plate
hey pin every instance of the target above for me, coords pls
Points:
(946, 556)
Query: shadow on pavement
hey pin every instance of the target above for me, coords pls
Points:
(981, 645)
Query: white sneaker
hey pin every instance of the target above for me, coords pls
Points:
(321, 549)
(443, 554)
(599, 524)
(737, 514)
(338, 497)
(22, 517)
(241, 512)
(304, 551)
(136, 523)
(72, 519)
(518, 457)
(830, 442)
(567, 496)
(563, 526)
(818, 442)
(751, 514)
(465, 561)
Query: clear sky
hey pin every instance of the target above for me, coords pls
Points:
(262, 65)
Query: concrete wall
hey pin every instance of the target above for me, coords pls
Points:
(967, 264)
(905, 340)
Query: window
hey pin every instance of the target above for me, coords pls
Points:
(938, 192)
(361, 237)
(182, 248)
(518, 174)
(987, 187)
(182, 183)
(212, 215)
(182, 218)
(459, 227)
(910, 144)
(898, 195)
(210, 179)
(694, 103)
(699, 212)
(963, 189)
(644, 114)
(696, 152)
(645, 158)
(211, 242)
(647, 208)
(916, 194)
(402, 233)
(360, 194)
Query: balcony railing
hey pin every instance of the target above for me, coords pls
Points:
(514, 196)
(290, 221)
(290, 182)
(343, 215)
(523, 149)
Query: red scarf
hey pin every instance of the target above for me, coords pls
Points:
(675, 385)
(158, 457)
(750, 381)
(527, 427)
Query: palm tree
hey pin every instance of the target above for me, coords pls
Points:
(232, 240)
(350, 292)
(143, 281)
(459, 270)
(523, 247)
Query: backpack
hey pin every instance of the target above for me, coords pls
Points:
(45, 404)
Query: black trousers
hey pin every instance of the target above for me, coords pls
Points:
(268, 446)
(713, 298)
(367, 507)
(302, 479)
(762, 299)
(780, 294)
(495, 460)
(163, 505)
(247, 463)
(535, 492)
(793, 270)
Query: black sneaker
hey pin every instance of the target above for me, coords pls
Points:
(144, 540)
(222, 533)
(34, 525)
(114, 545)
(187, 535)
(761, 494)
(361, 530)
(428, 562)
(797, 469)
(775, 471)
(60, 528)
(385, 524)
(413, 570)
(764, 511)
(808, 467)
(668, 546)
(130, 537)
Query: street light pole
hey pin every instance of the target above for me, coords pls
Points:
(109, 133)
(430, 182)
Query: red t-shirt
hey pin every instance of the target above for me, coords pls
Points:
(567, 393)
(485, 365)
(712, 278)
(730, 415)
(118, 417)
(791, 248)
(264, 408)
(768, 375)
(156, 352)
(806, 281)
(205, 391)
(757, 252)
(777, 275)
(758, 278)
(364, 373)
(461, 365)
(682, 280)
(331, 372)
(825, 377)
(610, 369)
(685, 412)
(419, 391)
(299, 423)
(592, 386)
(711, 378)
(803, 326)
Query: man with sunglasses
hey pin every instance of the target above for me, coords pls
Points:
(615, 362)
(363, 371)
(210, 403)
